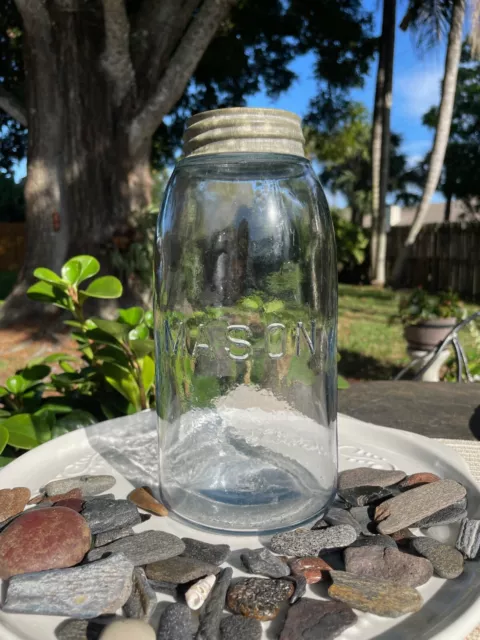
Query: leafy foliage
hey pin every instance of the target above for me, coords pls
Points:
(351, 242)
(419, 305)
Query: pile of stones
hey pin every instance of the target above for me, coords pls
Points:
(72, 551)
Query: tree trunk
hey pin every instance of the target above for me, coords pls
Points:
(442, 132)
(448, 208)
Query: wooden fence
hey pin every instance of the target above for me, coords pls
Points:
(444, 256)
(12, 245)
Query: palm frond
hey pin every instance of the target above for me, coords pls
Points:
(429, 20)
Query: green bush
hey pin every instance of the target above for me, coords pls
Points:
(351, 242)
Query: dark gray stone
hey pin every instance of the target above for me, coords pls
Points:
(101, 539)
(454, 513)
(159, 586)
(300, 583)
(305, 542)
(212, 553)
(336, 516)
(362, 496)
(103, 496)
(375, 541)
(103, 515)
(87, 591)
(388, 564)
(240, 628)
(446, 560)
(175, 623)
(142, 601)
(320, 524)
(317, 620)
(143, 548)
(262, 562)
(211, 614)
(468, 541)
(368, 477)
(259, 598)
(179, 570)
(365, 518)
(81, 629)
(88, 485)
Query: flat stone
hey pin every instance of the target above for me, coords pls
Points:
(170, 588)
(87, 591)
(300, 584)
(211, 614)
(337, 516)
(414, 505)
(362, 496)
(88, 485)
(103, 515)
(127, 630)
(102, 539)
(240, 628)
(388, 564)
(179, 570)
(402, 537)
(320, 524)
(446, 560)
(73, 494)
(143, 548)
(417, 479)
(373, 595)
(80, 629)
(175, 623)
(143, 600)
(258, 598)
(305, 542)
(264, 563)
(42, 539)
(143, 498)
(364, 516)
(450, 515)
(368, 477)
(468, 541)
(76, 504)
(212, 553)
(317, 620)
(13, 501)
(103, 496)
(314, 569)
(375, 541)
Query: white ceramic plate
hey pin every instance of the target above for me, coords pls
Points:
(126, 448)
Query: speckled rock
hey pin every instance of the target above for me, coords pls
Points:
(211, 614)
(388, 564)
(402, 537)
(88, 485)
(103, 515)
(446, 560)
(143, 548)
(259, 598)
(363, 496)
(143, 498)
(368, 477)
(143, 600)
(13, 501)
(43, 539)
(263, 563)
(87, 591)
(414, 505)
(175, 623)
(375, 541)
(468, 541)
(373, 595)
(80, 629)
(454, 513)
(417, 479)
(317, 620)
(314, 569)
(212, 553)
(337, 516)
(179, 570)
(305, 542)
(240, 628)
(128, 630)
(102, 539)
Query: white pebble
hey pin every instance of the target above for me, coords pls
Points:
(198, 593)
(127, 630)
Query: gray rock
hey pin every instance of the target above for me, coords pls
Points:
(414, 505)
(375, 541)
(468, 541)
(259, 598)
(87, 591)
(454, 513)
(362, 496)
(336, 516)
(143, 600)
(388, 564)
(300, 584)
(212, 553)
(240, 628)
(372, 595)
(101, 539)
(264, 563)
(143, 548)
(103, 496)
(368, 477)
(104, 515)
(175, 623)
(364, 516)
(88, 485)
(80, 629)
(305, 542)
(317, 620)
(320, 524)
(170, 588)
(447, 562)
(211, 614)
(179, 570)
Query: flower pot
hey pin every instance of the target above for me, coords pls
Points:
(426, 335)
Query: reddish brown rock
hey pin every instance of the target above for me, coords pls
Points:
(71, 503)
(417, 479)
(74, 494)
(402, 537)
(42, 539)
(13, 501)
(314, 569)
(37, 499)
(143, 498)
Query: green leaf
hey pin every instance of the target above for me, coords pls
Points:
(147, 365)
(110, 353)
(342, 383)
(71, 272)
(123, 382)
(139, 333)
(74, 420)
(3, 392)
(43, 421)
(46, 292)
(105, 287)
(54, 407)
(116, 329)
(5, 460)
(89, 267)
(47, 275)
(3, 438)
(4, 413)
(142, 347)
(57, 357)
(35, 373)
(16, 384)
(22, 431)
(131, 316)
(149, 319)
(65, 366)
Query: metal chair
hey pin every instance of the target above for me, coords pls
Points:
(452, 338)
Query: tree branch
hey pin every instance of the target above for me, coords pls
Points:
(182, 65)
(13, 107)
(116, 58)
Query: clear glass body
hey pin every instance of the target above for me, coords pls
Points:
(246, 317)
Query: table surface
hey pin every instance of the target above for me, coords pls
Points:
(433, 409)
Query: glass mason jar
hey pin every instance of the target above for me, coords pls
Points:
(246, 317)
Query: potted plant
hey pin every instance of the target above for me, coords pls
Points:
(428, 319)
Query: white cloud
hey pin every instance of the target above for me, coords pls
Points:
(416, 91)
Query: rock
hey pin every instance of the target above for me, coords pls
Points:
(143, 600)
(143, 548)
(103, 515)
(468, 541)
(102, 539)
(414, 505)
(305, 542)
(264, 563)
(43, 539)
(87, 591)
(76, 504)
(205, 552)
(320, 524)
(127, 630)
(88, 485)
(337, 516)
(364, 516)
(447, 562)
(375, 541)
(103, 496)
(143, 498)
(402, 537)
(13, 501)
(300, 584)
(170, 588)
(417, 479)
(258, 598)
(373, 595)
(317, 620)
(211, 615)
(73, 494)
(368, 477)
(450, 515)
(37, 500)
(362, 496)
(314, 569)
(80, 629)
(175, 623)
(198, 592)
(388, 564)
(179, 570)
(240, 628)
